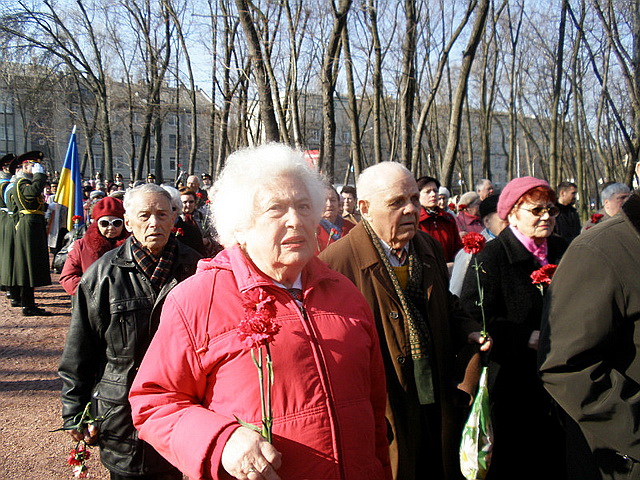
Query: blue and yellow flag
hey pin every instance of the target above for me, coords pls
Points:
(69, 191)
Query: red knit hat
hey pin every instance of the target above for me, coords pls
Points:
(108, 206)
(512, 192)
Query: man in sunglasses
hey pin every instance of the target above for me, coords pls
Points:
(116, 312)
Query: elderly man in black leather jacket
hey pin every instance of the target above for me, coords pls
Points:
(115, 315)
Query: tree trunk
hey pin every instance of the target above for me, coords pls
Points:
(453, 137)
(328, 78)
(557, 91)
(408, 83)
(267, 111)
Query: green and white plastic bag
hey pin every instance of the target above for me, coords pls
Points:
(477, 435)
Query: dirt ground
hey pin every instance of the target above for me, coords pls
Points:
(30, 348)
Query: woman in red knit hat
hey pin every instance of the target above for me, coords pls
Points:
(105, 233)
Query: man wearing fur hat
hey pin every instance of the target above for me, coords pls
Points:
(31, 253)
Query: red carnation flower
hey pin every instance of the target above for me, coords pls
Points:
(452, 206)
(596, 217)
(179, 232)
(543, 275)
(462, 206)
(199, 195)
(473, 243)
(259, 326)
(76, 218)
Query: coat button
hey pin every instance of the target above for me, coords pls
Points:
(401, 359)
(393, 315)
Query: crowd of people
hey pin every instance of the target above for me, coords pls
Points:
(374, 323)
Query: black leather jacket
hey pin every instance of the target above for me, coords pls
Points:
(115, 315)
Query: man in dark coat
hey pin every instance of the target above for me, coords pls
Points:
(403, 275)
(589, 353)
(31, 252)
(568, 221)
(115, 315)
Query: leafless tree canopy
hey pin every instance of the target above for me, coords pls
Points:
(456, 89)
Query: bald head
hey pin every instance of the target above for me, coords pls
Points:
(390, 202)
(377, 178)
(193, 183)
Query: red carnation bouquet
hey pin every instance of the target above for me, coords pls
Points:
(542, 277)
(257, 331)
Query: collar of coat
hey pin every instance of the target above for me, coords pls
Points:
(631, 209)
(248, 276)
(366, 256)
(516, 252)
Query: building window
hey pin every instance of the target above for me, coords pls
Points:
(6, 102)
(172, 120)
(97, 162)
(172, 141)
(152, 163)
(7, 133)
(315, 135)
(172, 163)
(118, 163)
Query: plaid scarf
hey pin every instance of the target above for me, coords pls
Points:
(156, 269)
(417, 340)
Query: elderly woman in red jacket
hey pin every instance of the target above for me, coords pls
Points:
(105, 233)
(197, 393)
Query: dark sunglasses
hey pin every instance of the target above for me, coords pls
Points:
(104, 223)
(553, 211)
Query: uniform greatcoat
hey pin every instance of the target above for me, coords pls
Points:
(31, 257)
(356, 257)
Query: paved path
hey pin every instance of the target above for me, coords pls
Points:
(30, 348)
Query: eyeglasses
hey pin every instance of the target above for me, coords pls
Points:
(552, 210)
(116, 222)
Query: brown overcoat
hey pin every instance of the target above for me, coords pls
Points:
(356, 257)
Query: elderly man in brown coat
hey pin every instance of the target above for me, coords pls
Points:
(403, 275)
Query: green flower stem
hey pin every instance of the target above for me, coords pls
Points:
(480, 296)
(267, 420)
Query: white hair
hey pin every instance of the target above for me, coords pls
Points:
(613, 189)
(373, 178)
(132, 193)
(247, 172)
(176, 201)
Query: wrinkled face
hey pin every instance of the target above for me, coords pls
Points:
(394, 210)
(474, 208)
(485, 190)
(110, 226)
(331, 206)
(349, 203)
(282, 238)
(193, 183)
(494, 223)
(150, 220)
(531, 225)
(443, 201)
(188, 204)
(615, 202)
(429, 195)
(567, 196)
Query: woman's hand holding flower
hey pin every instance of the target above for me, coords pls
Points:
(247, 455)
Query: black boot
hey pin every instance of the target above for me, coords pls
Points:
(34, 311)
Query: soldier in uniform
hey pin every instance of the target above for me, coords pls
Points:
(9, 235)
(31, 256)
(5, 178)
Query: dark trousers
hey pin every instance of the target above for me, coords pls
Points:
(27, 296)
(170, 475)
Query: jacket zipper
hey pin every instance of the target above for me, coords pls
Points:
(123, 329)
(325, 380)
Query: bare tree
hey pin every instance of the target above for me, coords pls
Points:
(453, 137)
